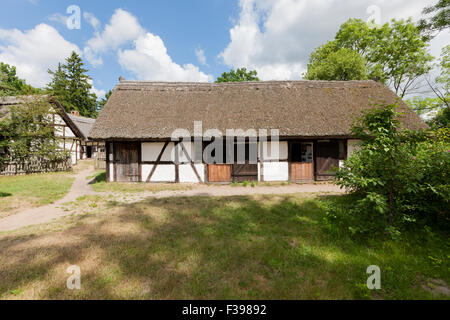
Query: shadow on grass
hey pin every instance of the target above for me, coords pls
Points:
(98, 178)
(5, 194)
(192, 248)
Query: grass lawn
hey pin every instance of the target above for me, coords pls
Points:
(20, 192)
(248, 247)
(100, 185)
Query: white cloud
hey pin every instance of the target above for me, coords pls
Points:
(98, 92)
(200, 54)
(92, 20)
(149, 61)
(34, 51)
(122, 28)
(276, 37)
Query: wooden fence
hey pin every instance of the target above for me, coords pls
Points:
(35, 166)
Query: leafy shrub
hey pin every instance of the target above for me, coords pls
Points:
(396, 179)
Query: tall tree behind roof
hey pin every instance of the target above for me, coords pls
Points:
(70, 84)
(240, 75)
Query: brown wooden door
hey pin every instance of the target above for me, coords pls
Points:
(126, 158)
(301, 171)
(327, 158)
(245, 172)
(219, 173)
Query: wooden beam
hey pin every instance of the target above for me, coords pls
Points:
(192, 164)
(157, 162)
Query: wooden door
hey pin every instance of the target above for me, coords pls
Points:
(126, 159)
(301, 161)
(327, 158)
(219, 173)
(245, 172)
(301, 171)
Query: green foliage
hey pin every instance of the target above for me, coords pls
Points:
(439, 21)
(397, 178)
(28, 133)
(394, 54)
(240, 75)
(11, 85)
(426, 105)
(441, 87)
(343, 64)
(72, 88)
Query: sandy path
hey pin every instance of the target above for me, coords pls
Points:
(49, 212)
(81, 187)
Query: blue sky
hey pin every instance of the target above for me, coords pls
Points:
(179, 40)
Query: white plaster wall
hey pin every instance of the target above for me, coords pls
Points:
(272, 152)
(111, 172)
(188, 175)
(276, 171)
(163, 173)
(352, 145)
(151, 150)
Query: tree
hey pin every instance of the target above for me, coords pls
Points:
(440, 105)
(71, 85)
(241, 74)
(396, 178)
(395, 53)
(10, 84)
(343, 64)
(433, 110)
(440, 20)
(28, 133)
(103, 101)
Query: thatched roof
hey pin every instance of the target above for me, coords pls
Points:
(84, 124)
(153, 110)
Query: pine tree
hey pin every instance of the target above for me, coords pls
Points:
(71, 86)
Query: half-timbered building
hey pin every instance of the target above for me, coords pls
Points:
(312, 119)
(71, 131)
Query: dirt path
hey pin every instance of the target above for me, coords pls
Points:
(52, 211)
(81, 187)
(228, 190)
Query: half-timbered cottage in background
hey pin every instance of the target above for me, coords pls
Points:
(313, 119)
(70, 130)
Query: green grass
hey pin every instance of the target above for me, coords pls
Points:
(100, 185)
(248, 247)
(18, 192)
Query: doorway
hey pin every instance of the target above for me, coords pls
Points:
(301, 161)
(126, 160)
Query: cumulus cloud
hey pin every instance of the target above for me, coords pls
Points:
(34, 51)
(149, 60)
(122, 28)
(276, 37)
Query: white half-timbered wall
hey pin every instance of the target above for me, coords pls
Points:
(274, 164)
(68, 140)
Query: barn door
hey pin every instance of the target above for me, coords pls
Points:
(245, 172)
(327, 158)
(126, 158)
(300, 162)
(219, 173)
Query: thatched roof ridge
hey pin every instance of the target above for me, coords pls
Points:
(153, 110)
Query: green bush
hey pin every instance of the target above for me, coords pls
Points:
(396, 179)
